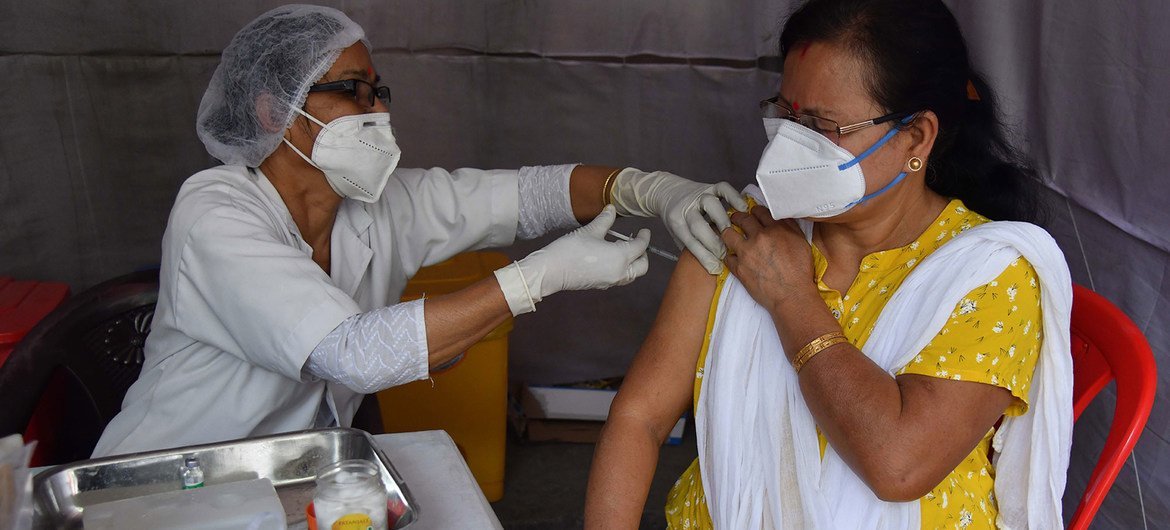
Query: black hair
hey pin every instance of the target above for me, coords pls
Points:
(917, 60)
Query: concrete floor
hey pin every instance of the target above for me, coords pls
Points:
(544, 483)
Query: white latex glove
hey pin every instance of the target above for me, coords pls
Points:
(579, 260)
(681, 204)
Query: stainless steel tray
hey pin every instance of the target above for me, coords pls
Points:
(289, 460)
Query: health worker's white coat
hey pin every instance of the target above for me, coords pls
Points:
(242, 304)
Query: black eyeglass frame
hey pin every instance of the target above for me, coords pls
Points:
(351, 86)
(841, 131)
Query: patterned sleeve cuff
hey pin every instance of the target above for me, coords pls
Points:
(544, 200)
(376, 350)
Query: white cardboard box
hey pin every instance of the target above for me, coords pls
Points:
(559, 403)
(580, 404)
(232, 505)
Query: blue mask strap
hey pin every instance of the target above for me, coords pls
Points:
(857, 160)
(896, 180)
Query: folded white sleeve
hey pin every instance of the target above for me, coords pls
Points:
(544, 200)
(375, 350)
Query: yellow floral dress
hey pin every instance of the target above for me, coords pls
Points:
(992, 337)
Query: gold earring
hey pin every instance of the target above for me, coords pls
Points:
(914, 163)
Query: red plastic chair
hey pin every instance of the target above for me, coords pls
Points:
(1106, 345)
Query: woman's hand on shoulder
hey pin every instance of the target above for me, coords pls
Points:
(772, 259)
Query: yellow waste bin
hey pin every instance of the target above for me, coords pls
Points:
(468, 399)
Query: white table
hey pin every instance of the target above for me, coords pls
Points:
(444, 490)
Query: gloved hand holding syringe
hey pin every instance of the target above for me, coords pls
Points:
(651, 248)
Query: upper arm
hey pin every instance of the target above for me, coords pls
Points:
(659, 385)
(992, 337)
(437, 213)
(976, 369)
(243, 290)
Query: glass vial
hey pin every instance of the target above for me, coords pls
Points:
(192, 473)
(350, 494)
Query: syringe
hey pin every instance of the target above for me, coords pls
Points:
(652, 249)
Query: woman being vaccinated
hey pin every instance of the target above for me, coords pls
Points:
(890, 345)
(282, 269)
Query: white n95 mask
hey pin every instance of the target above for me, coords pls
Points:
(803, 174)
(357, 154)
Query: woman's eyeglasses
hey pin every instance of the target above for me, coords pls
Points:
(363, 93)
(774, 107)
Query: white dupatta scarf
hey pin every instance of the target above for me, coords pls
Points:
(758, 452)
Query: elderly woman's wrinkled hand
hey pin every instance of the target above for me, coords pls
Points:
(771, 258)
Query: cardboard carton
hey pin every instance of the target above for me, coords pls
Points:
(568, 413)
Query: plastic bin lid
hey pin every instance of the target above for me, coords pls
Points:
(454, 274)
(24, 303)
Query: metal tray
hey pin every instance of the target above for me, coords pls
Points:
(289, 460)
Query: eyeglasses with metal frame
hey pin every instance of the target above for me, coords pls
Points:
(775, 107)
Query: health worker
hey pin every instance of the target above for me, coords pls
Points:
(282, 269)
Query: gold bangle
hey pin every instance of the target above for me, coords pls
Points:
(605, 195)
(817, 345)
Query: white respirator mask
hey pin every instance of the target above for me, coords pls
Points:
(357, 154)
(803, 174)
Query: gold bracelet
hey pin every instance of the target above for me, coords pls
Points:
(817, 345)
(605, 195)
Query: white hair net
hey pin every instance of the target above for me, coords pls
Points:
(265, 73)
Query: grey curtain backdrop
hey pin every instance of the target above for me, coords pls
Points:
(97, 104)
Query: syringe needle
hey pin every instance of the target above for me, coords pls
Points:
(663, 254)
(653, 250)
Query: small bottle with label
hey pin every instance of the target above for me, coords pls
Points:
(192, 474)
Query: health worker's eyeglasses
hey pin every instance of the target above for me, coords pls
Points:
(774, 107)
(363, 93)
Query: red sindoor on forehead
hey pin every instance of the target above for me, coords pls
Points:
(803, 50)
(370, 72)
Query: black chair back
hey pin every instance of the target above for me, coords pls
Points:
(81, 359)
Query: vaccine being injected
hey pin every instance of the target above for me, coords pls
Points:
(653, 250)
